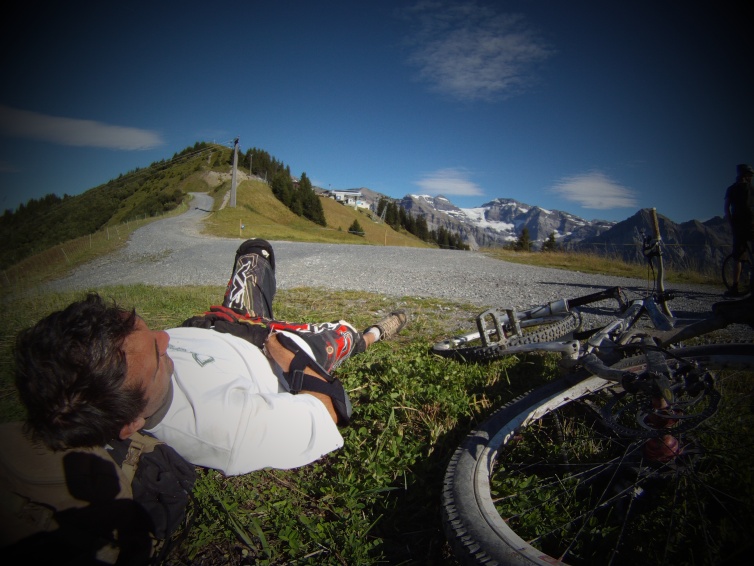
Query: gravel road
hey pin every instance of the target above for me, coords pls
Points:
(172, 252)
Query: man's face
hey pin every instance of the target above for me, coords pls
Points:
(148, 365)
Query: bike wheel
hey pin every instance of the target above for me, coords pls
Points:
(728, 272)
(469, 347)
(548, 479)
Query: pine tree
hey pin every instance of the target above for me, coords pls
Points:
(524, 241)
(381, 206)
(356, 228)
(550, 245)
(282, 188)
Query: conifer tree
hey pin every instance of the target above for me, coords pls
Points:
(550, 245)
(356, 228)
(524, 241)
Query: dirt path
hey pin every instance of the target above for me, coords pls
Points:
(173, 252)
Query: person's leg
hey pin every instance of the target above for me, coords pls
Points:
(252, 285)
(332, 343)
(739, 249)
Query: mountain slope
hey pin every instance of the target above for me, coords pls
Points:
(152, 191)
(262, 215)
(694, 244)
(501, 221)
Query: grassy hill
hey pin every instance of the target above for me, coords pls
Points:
(50, 236)
(264, 216)
(162, 187)
(143, 193)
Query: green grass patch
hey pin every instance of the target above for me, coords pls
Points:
(61, 259)
(377, 499)
(259, 214)
(603, 265)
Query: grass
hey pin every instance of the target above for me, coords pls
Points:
(259, 214)
(374, 501)
(61, 259)
(593, 263)
(377, 499)
(257, 210)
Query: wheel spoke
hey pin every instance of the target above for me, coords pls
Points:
(577, 488)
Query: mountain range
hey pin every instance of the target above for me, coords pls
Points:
(500, 222)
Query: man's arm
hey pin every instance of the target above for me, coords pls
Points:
(283, 357)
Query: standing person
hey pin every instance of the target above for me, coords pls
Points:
(739, 212)
(233, 389)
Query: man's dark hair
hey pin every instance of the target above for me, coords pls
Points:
(70, 374)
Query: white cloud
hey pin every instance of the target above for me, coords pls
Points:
(74, 132)
(471, 52)
(448, 182)
(595, 190)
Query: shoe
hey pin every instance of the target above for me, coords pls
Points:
(733, 292)
(391, 324)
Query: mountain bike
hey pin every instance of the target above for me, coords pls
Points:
(506, 331)
(746, 278)
(643, 450)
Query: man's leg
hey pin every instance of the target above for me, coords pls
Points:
(317, 351)
(252, 286)
(332, 343)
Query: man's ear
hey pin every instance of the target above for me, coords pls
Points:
(132, 427)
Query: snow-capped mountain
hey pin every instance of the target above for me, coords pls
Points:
(501, 221)
(692, 244)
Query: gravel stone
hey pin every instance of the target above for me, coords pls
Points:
(173, 252)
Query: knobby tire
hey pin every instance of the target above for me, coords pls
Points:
(531, 442)
(477, 352)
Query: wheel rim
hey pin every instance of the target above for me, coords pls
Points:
(574, 489)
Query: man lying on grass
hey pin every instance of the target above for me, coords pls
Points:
(232, 389)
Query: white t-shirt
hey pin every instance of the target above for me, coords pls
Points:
(230, 413)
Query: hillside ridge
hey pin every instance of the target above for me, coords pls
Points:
(161, 187)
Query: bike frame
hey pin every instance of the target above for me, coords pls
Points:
(492, 322)
(653, 248)
(668, 391)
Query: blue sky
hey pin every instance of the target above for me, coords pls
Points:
(595, 108)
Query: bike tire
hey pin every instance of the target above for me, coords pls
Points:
(728, 274)
(550, 330)
(473, 525)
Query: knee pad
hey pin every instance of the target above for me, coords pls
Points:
(252, 286)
